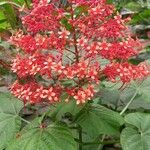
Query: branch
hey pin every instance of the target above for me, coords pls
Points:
(128, 104)
(80, 137)
(70, 51)
(97, 143)
(74, 38)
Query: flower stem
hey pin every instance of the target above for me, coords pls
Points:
(24, 120)
(97, 143)
(74, 37)
(128, 104)
(100, 147)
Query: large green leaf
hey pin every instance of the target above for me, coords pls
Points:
(3, 21)
(53, 137)
(9, 104)
(142, 88)
(10, 14)
(9, 9)
(118, 99)
(10, 122)
(137, 134)
(142, 17)
(9, 2)
(97, 120)
(134, 6)
(109, 97)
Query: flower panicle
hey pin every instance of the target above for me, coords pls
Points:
(62, 49)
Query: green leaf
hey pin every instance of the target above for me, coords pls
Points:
(66, 24)
(81, 9)
(134, 6)
(3, 20)
(109, 1)
(3, 71)
(10, 122)
(141, 57)
(10, 104)
(53, 137)
(97, 120)
(137, 134)
(109, 97)
(9, 2)
(143, 91)
(142, 17)
(116, 98)
(10, 15)
(7, 8)
(65, 108)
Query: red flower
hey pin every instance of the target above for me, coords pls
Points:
(64, 44)
(126, 72)
(82, 95)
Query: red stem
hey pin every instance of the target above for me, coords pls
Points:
(5, 65)
(74, 38)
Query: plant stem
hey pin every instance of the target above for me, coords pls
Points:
(74, 38)
(70, 51)
(97, 143)
(74, 128)
(80, 137)
(100, 147)
(128, 104)
(45, 114)
(24, 120)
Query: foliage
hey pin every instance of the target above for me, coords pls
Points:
(52, 137)
(136, 134)
(10, 122)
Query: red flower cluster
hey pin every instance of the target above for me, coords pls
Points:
(119, 50)
(44, 17)
(31, 44)
(61, 51)
(34, 93)
(125, 71)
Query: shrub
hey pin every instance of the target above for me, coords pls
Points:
(71, 60)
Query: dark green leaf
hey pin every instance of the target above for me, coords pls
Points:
(142, 17)
(137, 135)
(134, 6)
(3, 20)
(143, 90)
(116, 98)
(64, 22)
(10, 15)
(10, 122)
(97, 120)
(9, 2)
(81, 9)
(53, 137)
